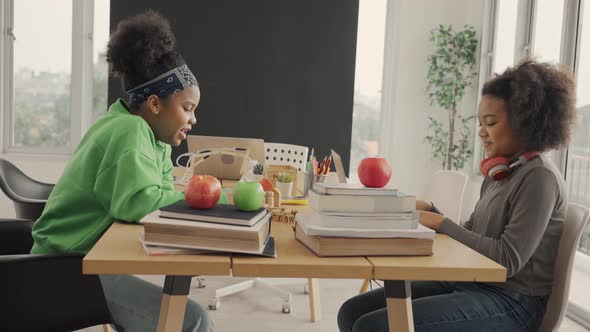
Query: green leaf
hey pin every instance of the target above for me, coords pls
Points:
(450, 72)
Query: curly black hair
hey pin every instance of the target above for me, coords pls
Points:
(141, 48)
(540, 102)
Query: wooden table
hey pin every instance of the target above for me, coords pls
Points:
(119, 252)
(296, 261)
(451, 261)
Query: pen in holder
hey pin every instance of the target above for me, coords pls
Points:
(310, 179)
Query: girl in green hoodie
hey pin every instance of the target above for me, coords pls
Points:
(122, 168)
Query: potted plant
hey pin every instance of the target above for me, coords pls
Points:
(258, 171)
(449, 75)
(284, 184)
(252, 171)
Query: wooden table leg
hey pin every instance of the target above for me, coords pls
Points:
(314, 299)
(365, 286)
(174, 299)
(398, 295)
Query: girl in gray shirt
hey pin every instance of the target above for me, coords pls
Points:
(517, 222)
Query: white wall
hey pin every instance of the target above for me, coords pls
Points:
(407, 126)
(44, 169)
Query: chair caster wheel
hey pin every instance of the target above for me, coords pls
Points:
(286, 308)
(214, 304)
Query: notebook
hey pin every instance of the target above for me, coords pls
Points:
(222, 214)
(408, 220)
(418, 232)
(361, 203)
(206, 235)
(158, 249)
(338, 246)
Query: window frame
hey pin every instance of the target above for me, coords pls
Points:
(81, 93)
(523, 47)
(486, 65)
(389, 81)
(569, 56)
(525, 34)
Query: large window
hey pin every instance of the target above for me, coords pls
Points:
(578, 162)
(578, 170)
(54, 72)
(504, 46)
(555, 31)
(100, 70)
(521, 28)
(42, 68)
(367, 84)
(500, 44)
(547, 30)
(536, 28)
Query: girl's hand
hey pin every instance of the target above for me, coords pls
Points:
(423, 205)
(431, 219)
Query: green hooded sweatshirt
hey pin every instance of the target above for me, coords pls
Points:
(118, 172)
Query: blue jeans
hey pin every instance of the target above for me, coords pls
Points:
(135, 305)
(446, 306)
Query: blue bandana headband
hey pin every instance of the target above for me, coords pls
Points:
(172, 81)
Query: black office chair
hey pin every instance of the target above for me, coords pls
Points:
(29, 196)
(45, 292)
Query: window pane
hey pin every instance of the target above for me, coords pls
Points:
(42, 68)
(505, 35)
(547, 35)
(578, 170)
(367, 83)
(100, 73)
(547, 30)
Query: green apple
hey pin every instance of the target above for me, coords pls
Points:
(248, 196)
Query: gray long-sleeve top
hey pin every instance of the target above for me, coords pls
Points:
(518, 222)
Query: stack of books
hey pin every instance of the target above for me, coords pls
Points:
(223, 228)
(352, 220)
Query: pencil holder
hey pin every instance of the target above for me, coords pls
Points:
(310, 179)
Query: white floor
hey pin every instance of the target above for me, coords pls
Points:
(571, 326)
(258, 310)
(580, 288)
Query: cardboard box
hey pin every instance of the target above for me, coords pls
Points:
(225, 166)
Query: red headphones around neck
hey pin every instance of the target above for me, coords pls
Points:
(499, 168)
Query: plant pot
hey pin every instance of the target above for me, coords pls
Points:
(256, 178)
(284, 188)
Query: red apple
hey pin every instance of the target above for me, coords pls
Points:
(202, 191)
(374, 172)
